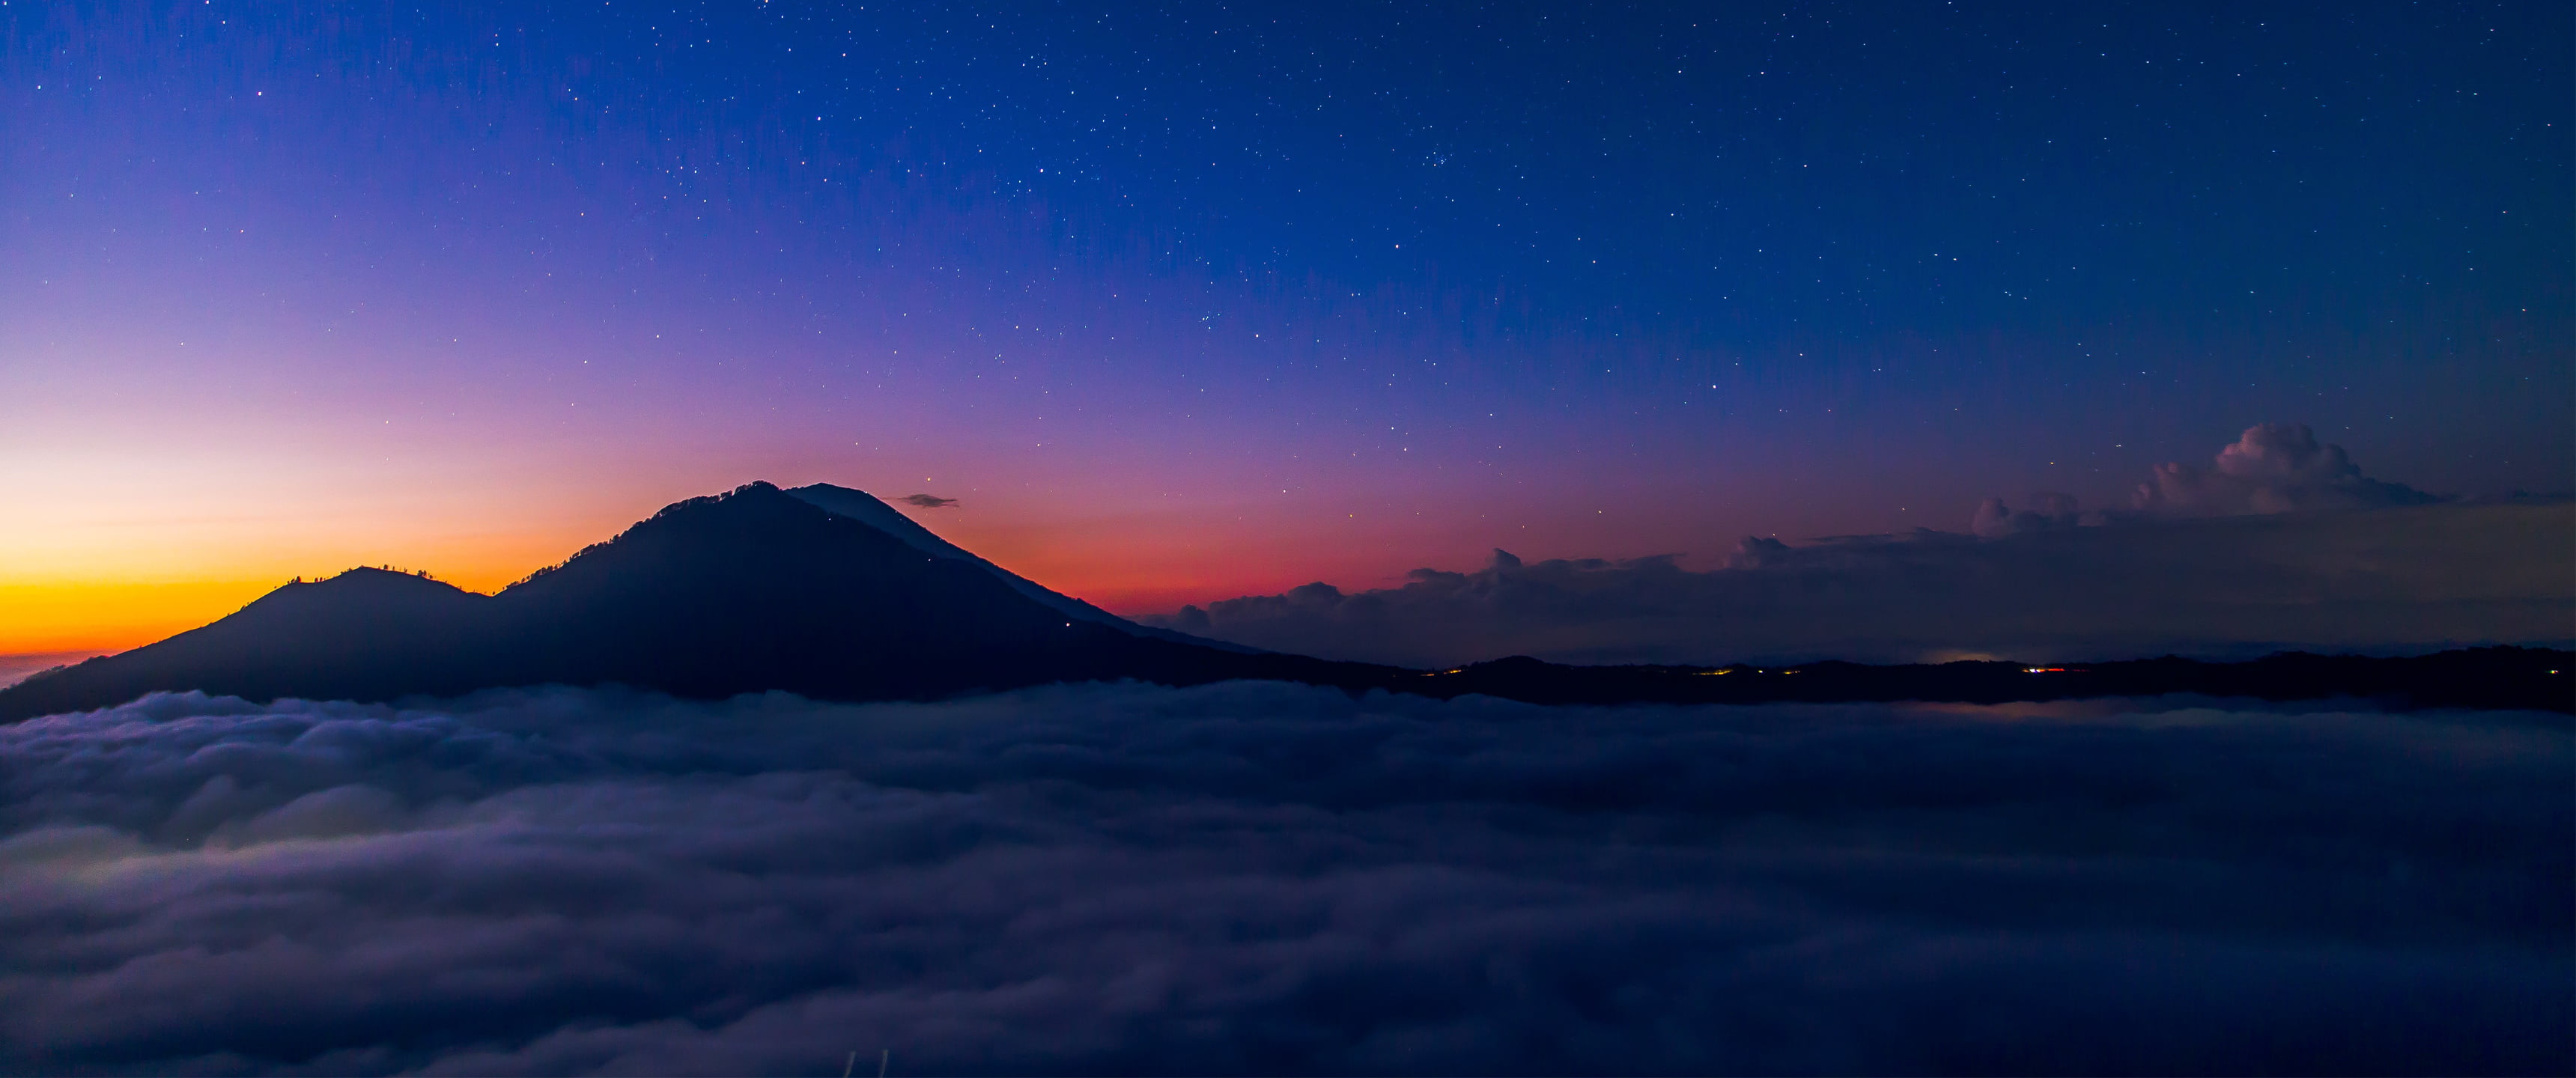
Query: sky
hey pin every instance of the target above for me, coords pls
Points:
(1190, 303)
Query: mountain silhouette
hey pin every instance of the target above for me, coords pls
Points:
(366, 634)
(868, 509)
(827, 592)
(749, 591)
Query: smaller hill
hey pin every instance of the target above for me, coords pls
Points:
(364, 634)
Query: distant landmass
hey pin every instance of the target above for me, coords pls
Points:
(830, 593)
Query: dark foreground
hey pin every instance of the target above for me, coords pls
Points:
(2536, 679)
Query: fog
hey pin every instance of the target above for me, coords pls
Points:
(1272, 878)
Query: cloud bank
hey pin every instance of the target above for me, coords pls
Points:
(2271, 468)
(1260, 877)
(2388, 581)
(2280, 543)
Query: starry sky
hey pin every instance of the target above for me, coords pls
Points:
(1186, 302)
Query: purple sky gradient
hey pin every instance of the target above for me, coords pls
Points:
(1183, 309)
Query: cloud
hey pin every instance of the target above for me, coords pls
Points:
(2391, 581)
(2265, 550)
(1994, 519)
(2272, 468)
(927, 501)
(1260, 877)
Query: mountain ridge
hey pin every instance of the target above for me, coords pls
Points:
(873, 511)
(758, 589)
(746, 591)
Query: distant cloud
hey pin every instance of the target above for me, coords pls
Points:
(1994, 519)
(1272, 878)
(2271, 468)
(927, 501)
(2262, 550)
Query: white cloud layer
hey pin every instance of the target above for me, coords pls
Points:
(1259, 877)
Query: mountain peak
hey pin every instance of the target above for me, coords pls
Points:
(751, 590)
(868, 509)
(377, 576)
(752, 491)
(361, 588)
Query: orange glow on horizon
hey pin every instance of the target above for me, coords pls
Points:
(111, 616)
(1105, 566)
(112, 571)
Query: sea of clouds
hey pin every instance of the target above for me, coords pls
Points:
(1269, 878)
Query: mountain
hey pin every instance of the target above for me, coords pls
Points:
(868, 509)
(749, 591)
(366, 634)
(828, 593)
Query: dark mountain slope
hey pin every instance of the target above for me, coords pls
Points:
(742, 592)
(364, 634)
(761, 590)
(868, 509)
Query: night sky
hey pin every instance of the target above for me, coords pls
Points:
(1188, 302)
